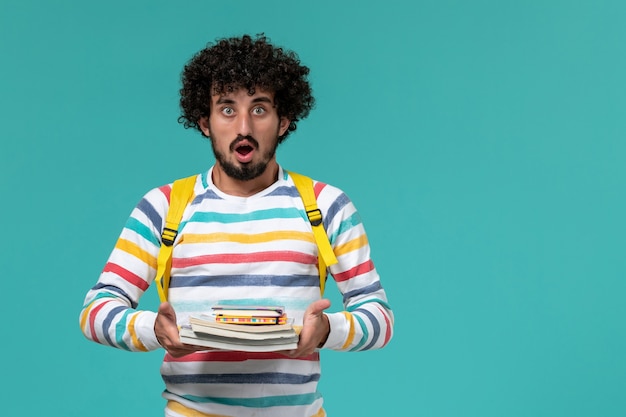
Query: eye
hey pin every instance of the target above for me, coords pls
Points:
(228, 111)
(258, 111)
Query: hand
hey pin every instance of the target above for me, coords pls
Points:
(166, 332)
(315, 329)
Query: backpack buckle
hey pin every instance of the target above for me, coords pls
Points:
(168, 236)
(315, 217)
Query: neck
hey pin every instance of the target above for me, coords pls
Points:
(240, 188)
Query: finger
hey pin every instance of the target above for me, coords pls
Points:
(177, 353)
(166, 309)
(185, 349)
(298, 353)
(166, 329)
(317, 307)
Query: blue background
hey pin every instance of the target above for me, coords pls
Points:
(482, 141)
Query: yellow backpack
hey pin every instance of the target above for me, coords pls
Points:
(182, 194)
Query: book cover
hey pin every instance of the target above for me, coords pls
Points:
(251, 320)
(210, 320)
(238, 334)
(248, 310)
(188, 336)
(249, 314)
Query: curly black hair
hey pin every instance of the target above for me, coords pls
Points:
(245, 62)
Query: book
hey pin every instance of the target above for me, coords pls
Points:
(249, 314)
(271, 344)
(217, 331)
(248, 311)
(205, 320)
(233, 319)
(240, 327)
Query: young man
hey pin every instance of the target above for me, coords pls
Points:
(245, 237)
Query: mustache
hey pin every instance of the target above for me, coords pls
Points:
(241, 138)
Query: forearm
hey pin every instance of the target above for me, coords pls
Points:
(109, 315)
(110, 321)
(364, 326)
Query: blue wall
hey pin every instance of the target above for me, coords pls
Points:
(482, 141)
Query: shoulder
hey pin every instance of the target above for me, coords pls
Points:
(322, 190)
(159, 198)
(330, 198)
(325, 192)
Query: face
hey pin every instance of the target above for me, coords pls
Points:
(244, 131)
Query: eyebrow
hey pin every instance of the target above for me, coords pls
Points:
(261, 99)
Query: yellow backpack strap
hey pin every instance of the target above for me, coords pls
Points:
(180, 196)
(326, 256)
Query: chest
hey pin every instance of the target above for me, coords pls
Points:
(223, 238)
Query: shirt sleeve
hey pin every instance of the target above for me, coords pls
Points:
(367, 319)
(109, 315)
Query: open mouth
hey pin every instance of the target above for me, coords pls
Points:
(244, 149)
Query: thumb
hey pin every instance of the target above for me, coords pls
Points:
(317, 307)
(166, 310)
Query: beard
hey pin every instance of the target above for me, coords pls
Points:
(248, 171)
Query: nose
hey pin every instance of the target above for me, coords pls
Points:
(244, 125)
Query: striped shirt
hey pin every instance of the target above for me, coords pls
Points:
(255, 250)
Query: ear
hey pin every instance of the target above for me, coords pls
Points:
(284, 125)
(203, 123)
